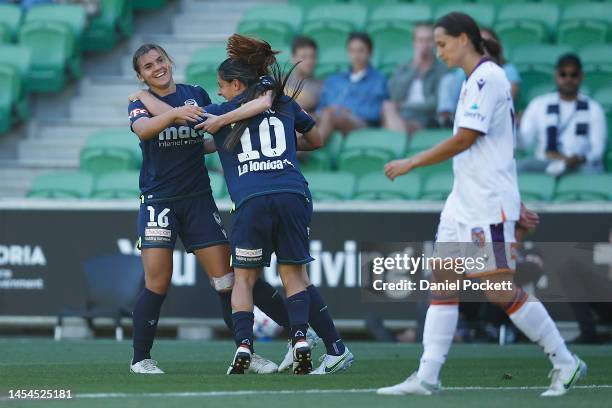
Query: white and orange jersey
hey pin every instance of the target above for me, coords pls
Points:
(485, 188)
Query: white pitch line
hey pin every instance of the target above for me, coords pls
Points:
(289, 392)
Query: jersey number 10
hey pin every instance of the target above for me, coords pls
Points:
(265, 141)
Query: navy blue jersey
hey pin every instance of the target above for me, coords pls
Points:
(265, 160)
(173, 162)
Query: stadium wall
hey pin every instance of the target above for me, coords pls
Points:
(43, 245)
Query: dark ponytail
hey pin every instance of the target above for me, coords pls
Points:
(249, 60)
(456, 23)
(493, 46)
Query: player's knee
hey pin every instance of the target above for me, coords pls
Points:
(158, 286)
(223, 284)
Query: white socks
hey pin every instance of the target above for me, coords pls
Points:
(534, 321)
(440, 325)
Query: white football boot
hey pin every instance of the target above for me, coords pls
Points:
(562, 378)
(312, 339)
(333, 364)
(302, 358)
(241, 361)
(146, 366)
(261, 365)
(412, 385)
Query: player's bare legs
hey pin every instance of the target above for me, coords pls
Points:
(157, 264)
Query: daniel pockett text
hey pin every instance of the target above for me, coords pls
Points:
(405, 271)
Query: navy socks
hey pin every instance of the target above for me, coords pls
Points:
(145, 317)
(322, 323)
(243, 328)
(298, 306)
(270, 302)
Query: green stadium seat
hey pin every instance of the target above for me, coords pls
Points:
(576, 33)
(206, 77)
(10, 18)
(148, 4)
(311, 3)
(427, 138)
(329, 25)
(117, 185)
(437, 187)
(330, 61)
(597, 65)
(331, 186)
(407, 14)
(10, 84)
(500, 3)
(51, 45)
(514, 33)
(217, 184)
(544, 13)
(391, 26)
(438, 3)
(65, 184)
(376, 186)
(4, 34)
(209, 56)
(70, 14)
(604, 97)
(529, 23)
(367, 150)
(536, 63)
(595, 11)
(111, 150)
(324, 158)
(584, 187)
(19, 58)
(107, 27)
(536, 187)
(276, 24)
(484, 14)
(16, 55)
(608, 159)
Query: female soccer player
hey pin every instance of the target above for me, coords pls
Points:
(481, 211)
(176, 200)
(273, 204)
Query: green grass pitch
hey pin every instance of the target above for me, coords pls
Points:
(96, 371)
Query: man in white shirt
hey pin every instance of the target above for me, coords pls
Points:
(568, 128)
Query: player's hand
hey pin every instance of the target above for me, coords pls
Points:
(135, 96)
(188, 113)
(528, 220)
(212, 124)
(396, 168)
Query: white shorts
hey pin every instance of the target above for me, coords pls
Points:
(484, 248)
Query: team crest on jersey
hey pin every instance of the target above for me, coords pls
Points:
(137, 112)
(478, 237)
(480, 83)
(191, 102)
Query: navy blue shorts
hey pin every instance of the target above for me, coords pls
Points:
(195, 220)
(270, 223)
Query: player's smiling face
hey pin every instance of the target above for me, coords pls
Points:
(448, 48)
(155, 70)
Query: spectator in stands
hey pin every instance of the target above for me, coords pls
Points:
(413, 87)
(568, 128)
(304, 51)
(352, 100)
(450, 84)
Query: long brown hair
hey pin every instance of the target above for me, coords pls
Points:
(250, 59)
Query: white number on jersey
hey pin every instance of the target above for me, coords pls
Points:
(265, 140)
